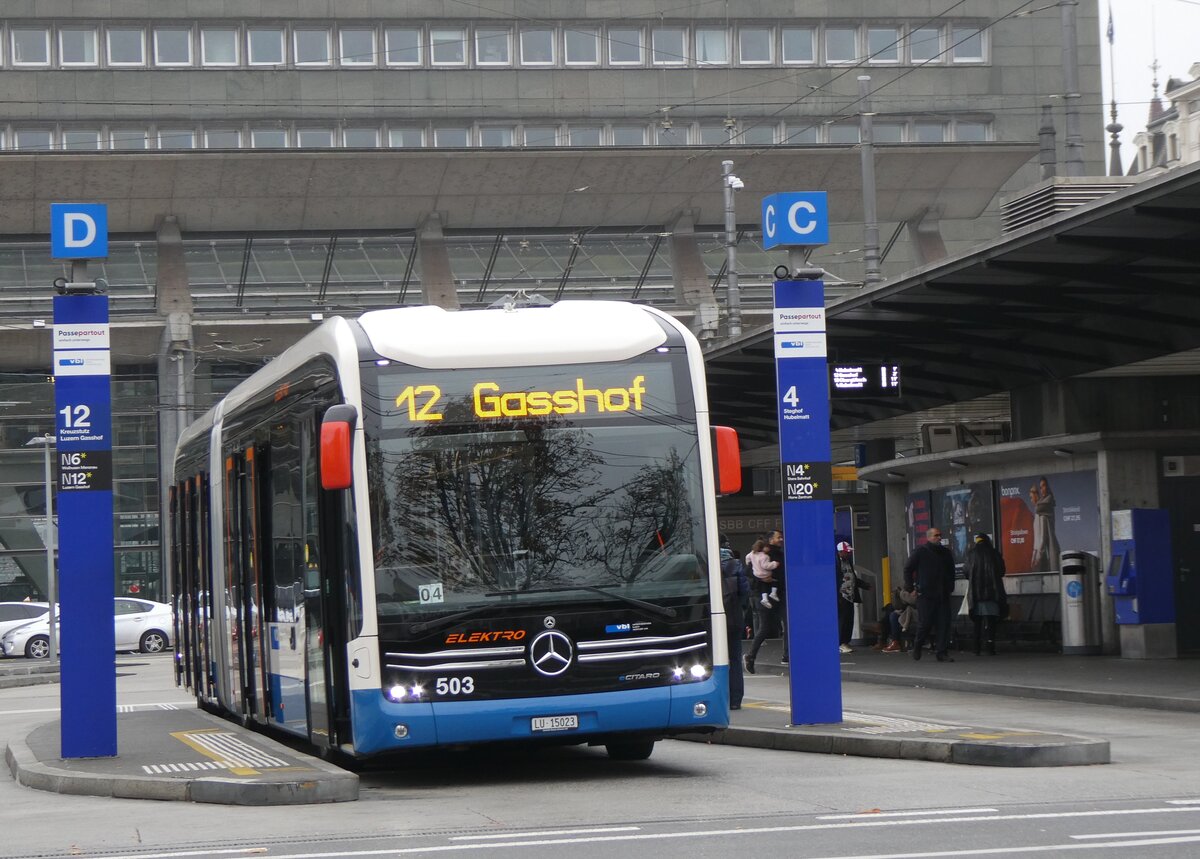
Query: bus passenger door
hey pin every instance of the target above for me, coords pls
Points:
(283, 505)
(250, 509)
(314, 595)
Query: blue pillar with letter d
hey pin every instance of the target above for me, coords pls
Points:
(83, 429)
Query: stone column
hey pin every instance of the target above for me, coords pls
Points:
(1126, 479)
(437, 277)
(693, 290)
(176, 367)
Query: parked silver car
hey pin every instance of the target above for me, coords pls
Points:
(139, 625)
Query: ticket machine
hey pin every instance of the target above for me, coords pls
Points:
(1141, 580)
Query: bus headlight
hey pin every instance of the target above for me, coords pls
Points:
(397, 693)
(678, 673)
(699, 672)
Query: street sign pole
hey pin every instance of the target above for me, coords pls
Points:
(83, 430)
(802, 382)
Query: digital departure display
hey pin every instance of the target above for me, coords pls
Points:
(851, 381)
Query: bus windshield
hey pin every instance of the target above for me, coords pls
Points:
(548, 484)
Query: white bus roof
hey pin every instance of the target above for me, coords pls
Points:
(580, 331)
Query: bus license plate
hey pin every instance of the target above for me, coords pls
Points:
(554, 723)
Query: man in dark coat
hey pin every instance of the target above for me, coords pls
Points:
(734, 588)
(986, 596)
(930, 571)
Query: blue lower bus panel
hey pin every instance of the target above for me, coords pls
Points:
(381, 725)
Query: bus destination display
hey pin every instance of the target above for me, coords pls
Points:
(597, 392)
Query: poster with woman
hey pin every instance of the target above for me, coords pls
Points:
(1043, 514)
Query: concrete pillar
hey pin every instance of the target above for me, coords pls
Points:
(1126, 479)
(895, 494)
(692, 287)
(925, 233)
(437, 277)
(176, 364)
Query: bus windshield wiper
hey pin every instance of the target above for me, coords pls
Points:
(418, 628)
(661, 611)
(649, 607)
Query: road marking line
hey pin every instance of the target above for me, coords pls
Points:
(548, 832)
(875, 814)
(765, 830)
(241, 757)
(159, 769)
(1183, 802)
(1151, 834)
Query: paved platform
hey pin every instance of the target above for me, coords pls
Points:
(762, 724)
(182, 754)
(152, 738)
(1155, 684)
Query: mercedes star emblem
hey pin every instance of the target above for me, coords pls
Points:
(550, 653)
(548, 622)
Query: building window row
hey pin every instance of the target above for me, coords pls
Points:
(183, 136)
(234, 45)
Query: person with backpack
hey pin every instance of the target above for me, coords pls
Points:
(849, 586)
(734, 588)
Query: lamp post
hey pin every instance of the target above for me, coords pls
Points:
(46, 442)
(731, 183)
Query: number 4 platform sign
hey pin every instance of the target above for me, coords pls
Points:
(803, 383)
(83, 424)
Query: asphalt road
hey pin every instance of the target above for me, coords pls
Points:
(688, 800)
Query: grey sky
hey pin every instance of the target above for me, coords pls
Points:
(1144, 29)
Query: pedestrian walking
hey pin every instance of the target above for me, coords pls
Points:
(849, 587)
(734, 587)
(930, 572)
(986, 597)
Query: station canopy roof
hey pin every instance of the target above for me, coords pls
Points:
(1102, 286)
(295, 191)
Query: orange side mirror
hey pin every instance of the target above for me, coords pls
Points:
(337, 447)
(728, 460)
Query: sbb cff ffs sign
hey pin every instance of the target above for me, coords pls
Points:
(795, 219)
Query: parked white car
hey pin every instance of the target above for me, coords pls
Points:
(14, 614)
(139, 625)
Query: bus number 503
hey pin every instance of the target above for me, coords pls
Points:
(454, 685)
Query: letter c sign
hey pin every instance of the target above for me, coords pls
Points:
(804, 221)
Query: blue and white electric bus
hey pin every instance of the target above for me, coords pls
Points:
(428, 528)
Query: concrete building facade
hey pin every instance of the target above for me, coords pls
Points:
(172, 111)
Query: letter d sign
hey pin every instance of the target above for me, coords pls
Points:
(78, 230)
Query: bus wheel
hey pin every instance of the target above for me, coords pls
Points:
(630, 750)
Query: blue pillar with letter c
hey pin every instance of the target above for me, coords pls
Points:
(802, 391)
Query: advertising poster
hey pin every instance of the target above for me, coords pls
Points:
(1044, 514)
(961, 512)
(917, 515)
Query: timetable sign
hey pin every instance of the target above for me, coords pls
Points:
(848, 381)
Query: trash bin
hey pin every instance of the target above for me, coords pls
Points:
(1080, 597)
